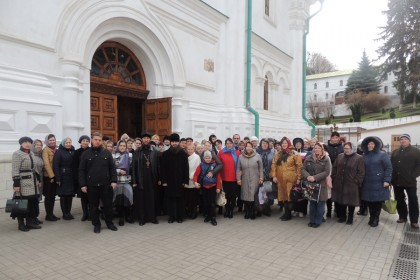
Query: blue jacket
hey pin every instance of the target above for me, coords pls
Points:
(206, 168)
(378, 169)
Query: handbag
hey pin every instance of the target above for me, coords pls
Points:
(17, 205)
(268, 186)
(390, 205)
(296, 193)
(311, 190)
(221, 199)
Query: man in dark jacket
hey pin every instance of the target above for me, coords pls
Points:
(405, 169)
(334, 148)
(98, 178)
(174, 175)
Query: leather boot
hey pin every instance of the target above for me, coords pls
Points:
(84, 203)
(231, 211)
(252, 210)
(266, 210)
(226, 215)
(329, 208)
(21, 224)
(363, 209)
(30, 224)
(246, 210)
(285, 211)
(63, 205)
(69, 202)
(375, 221)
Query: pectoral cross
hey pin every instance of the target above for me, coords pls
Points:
(147, 161)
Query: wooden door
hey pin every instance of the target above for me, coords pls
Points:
(104, 115)
(158, 116)
(395, 142)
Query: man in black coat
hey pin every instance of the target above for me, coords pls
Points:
(174, 176)
(145, 177)
(98, 178)
(405, 169)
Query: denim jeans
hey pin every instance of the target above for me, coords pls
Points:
(316, 212)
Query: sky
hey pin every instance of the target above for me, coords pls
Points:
(344, 28)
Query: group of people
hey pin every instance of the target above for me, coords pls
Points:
(138, 180)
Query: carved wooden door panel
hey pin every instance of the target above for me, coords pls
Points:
(158, 116)
(104, 115)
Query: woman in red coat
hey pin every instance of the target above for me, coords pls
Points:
(229, 157)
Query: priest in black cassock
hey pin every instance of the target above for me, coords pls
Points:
(174, 176)
(145, 177)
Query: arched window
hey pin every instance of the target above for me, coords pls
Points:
(113, 61)
(341, 83)
(315, 86)
(266, 93)
(327, 85)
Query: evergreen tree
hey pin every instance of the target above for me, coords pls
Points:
(401, 48)
(364, 79)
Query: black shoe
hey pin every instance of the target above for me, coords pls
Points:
(311, 225)
(112, 227)
(51, 218)
(23, 228)
(97, 229)
(328, 215)
(283, 216)
(207, 219)
(38, 222)
(315, 225)
(129, 220)
(55, 217)
(155, 222)
(349, 222)
(142, 223)
(179, 221)
(226, 215)
(121, 221)
(213, 222)
(71, 217)
(84, 218)
(375, 222)
(31, 225)
(171, 220)
(341, 220)
(66, 217)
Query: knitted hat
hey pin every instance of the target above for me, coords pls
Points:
(84, 137)
(406, 136)
(207, 154)
(145, 134)
(253, 138)
(25, 139)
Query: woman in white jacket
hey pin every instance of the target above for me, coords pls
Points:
(190, 191)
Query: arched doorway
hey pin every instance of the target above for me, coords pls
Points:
(118, 99)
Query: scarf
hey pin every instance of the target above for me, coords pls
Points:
(124, 159)
(233, 153)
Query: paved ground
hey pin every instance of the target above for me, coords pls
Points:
(266, 248)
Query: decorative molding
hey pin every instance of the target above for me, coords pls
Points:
(201, 86)
(20, 41)
(7, 120)
(119, 91)
(40, 122)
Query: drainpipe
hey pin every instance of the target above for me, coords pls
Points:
(248, 72)
(304, 70)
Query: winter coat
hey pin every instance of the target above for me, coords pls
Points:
(229, 170)
(23, 172)
(47, 157)
(76, 162)
(406, 166)
(249, 171)
(97, 168)
(320, 169)
(138, 165)
(378, 169)
(267, 158)
(175, 172)
(334, 150)
(207, 182)
(216, 159)
(347, 174)
(287, 173)
(63, 169)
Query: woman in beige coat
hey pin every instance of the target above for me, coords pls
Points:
(286, 171)
(50, 185)
(249, 175)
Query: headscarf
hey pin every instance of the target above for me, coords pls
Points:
(33, 148)
(47, 143)
(124, 162)
(289, 145)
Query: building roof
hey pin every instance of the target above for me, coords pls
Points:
(329, 74)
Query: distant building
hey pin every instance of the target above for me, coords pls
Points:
(327, 89)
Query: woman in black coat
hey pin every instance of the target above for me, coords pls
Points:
(377, 177)
(64, 175)
(84, 141)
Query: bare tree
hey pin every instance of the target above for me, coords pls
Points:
(313, 109)
(317, 63)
